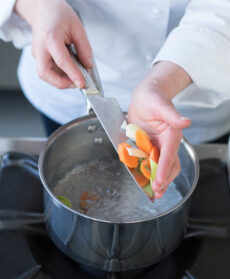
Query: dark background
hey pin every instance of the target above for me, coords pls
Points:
(17, 117)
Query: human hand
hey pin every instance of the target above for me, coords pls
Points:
(54, 26)
(152, 110)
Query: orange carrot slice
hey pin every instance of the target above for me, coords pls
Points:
(145, 168)
(155, 154)
(129, 161)
(88, 196)
(143, 142)
(84, 196)
(140, 178)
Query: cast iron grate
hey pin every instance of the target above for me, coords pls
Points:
(24, 254)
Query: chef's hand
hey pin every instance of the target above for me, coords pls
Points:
(55, 25)
(151, 109)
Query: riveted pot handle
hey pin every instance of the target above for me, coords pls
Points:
(11, 220)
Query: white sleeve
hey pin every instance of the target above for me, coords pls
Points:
(201, 45)
(13, 27)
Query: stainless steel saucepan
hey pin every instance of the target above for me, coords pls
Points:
(104, 244)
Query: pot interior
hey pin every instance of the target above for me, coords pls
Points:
(79, 163)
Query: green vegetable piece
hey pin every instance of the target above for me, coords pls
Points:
(153, 166)
(139, 165)
(65, 201)
(148, 190)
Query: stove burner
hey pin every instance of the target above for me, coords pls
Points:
(27, 252)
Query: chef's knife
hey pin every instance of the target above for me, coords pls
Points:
(108, 112)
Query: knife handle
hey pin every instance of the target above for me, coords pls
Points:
(92, 80)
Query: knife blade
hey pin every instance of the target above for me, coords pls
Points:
(110, 116)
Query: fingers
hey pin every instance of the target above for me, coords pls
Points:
(63, 60)
(175, 170)
(82, 45)
(56, 25)
(48, 71)
(168, 154)
(169, 114)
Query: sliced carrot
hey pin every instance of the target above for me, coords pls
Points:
(140, 178)
(145, 168)
(93, 198)
(84, 205)
(84, 196)
(129, 161)
(155, 154)
(88, 196)
(143, 141)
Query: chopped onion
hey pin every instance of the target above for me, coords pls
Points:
(131, 130)
(136, 152)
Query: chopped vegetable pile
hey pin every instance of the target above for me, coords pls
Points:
(142, 160)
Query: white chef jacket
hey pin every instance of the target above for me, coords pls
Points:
(126, 38)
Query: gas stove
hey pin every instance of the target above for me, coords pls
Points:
(27, 252)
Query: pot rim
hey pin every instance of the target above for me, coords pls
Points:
(74, 122)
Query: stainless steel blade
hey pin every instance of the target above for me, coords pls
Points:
(111, 118)
(109, 114)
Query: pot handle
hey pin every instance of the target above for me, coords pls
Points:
(12, 220)
(218, 228)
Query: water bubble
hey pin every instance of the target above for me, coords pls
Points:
(102, 166)
(117, 197)
(118, 173)
(110, 192)
(99, 188)
(115, 183)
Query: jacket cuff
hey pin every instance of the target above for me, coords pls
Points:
(13, 27)
(202, 53)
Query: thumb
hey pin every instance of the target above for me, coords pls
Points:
(170, 115)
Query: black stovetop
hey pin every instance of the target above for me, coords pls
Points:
(29, 253)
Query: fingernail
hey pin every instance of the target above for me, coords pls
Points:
(158, 196)
(184, 118)
(77, 83)
(72, 86)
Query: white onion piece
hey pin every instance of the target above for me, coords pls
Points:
(131, 130)
(136, 152)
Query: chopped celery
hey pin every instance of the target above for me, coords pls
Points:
(148, 190)
(153, 166)
(65, 201)
(139, 165)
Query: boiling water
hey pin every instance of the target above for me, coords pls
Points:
(104, 190)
